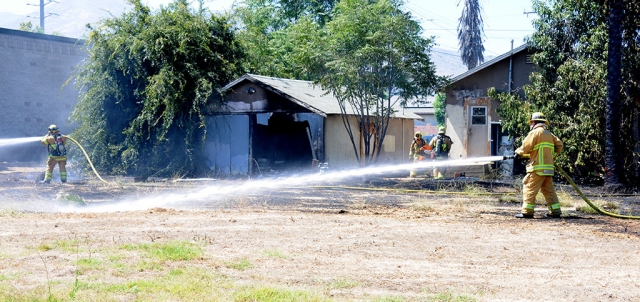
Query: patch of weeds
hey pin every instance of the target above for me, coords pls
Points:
(239, 264)
(183, 284)
(342, 283)
(389, 299)
(608, 206)
(566, 200)
(268, 294)
(86, 264)
(474, 190)
(510, 199)
(71, 246)
(115, 257)
(450, 296)
(358, 204)
(275, 253)
(168, 251)
(422, 206)
(64, 245)
(71, 199)
(11, 213)
(144, 265)
(45, 247)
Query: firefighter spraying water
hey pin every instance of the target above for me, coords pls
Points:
(55, 143)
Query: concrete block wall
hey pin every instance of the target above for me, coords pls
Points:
(33, 70)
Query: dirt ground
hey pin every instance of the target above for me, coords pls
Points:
(383, 238)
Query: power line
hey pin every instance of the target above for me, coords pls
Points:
(42, 14)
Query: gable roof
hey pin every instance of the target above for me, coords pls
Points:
(486, 64)
(307, 95)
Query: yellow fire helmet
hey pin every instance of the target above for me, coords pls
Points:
(538, 117)
(53, 128)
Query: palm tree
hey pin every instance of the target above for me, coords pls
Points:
(614, 80)
(470, 32)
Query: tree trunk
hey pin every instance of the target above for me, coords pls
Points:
(613, 160)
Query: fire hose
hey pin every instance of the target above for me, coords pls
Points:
(88, 159)
(575, 187)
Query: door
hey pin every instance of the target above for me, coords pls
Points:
(478, 131)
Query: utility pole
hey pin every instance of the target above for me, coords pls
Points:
(42, 15)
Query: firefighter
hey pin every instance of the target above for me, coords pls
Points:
(55, 143)
(541, 146)
(419, 150)
(441, 146)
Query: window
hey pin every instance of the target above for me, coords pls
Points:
(389, 144)
(478, 115)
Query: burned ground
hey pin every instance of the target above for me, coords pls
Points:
(367, 238)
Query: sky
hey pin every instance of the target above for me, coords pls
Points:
(504, 20)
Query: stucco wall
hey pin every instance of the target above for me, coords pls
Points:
(476, 85)
(339, 150)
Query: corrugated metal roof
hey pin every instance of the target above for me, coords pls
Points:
(489, 63)
(305, 94)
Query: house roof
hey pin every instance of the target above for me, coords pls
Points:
(307, 95)
(486, 64)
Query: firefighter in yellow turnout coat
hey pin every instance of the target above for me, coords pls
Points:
(419, 151)
(542, 146)
(55, 143)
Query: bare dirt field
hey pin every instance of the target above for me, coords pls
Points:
(373, 239)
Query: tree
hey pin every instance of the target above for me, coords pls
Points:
(470, 32)
(614, 69)
(270, 30)
(147, 80)
(371, 52)
(28, 26)
(439, 106)
(571, 51)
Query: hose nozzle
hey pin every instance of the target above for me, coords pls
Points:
(506, 157)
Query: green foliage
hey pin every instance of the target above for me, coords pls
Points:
(570, 46)
(370, 51)
(148, 79)
(170, 251)
(239, 264)
(267, 294)
(28, 26)
(278, 34)
(439, 107)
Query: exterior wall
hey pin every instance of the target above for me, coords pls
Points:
(33, 69)
(473, 89)
(339, 150)
(456, 128)
(227, 144)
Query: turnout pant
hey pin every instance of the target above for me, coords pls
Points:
(532, 183)
(51, 163)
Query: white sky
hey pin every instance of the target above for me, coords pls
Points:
(504, 20)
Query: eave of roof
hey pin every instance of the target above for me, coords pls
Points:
(486, 64)
(305, 94)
